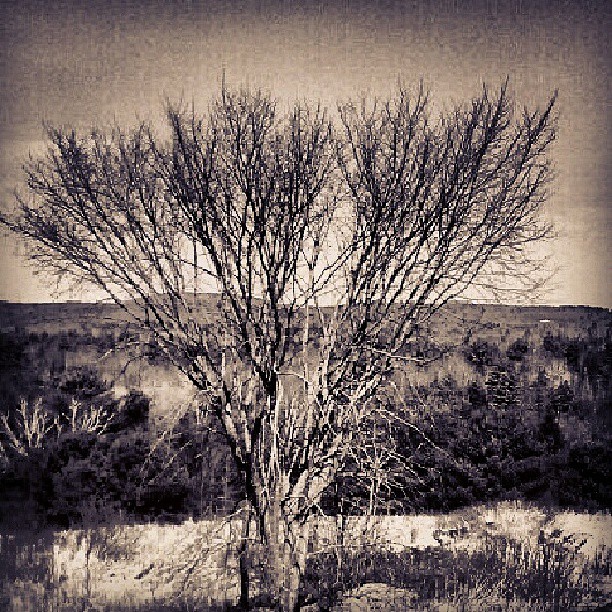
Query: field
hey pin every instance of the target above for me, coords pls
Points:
(508, 556)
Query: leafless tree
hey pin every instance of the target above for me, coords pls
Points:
(326, 247)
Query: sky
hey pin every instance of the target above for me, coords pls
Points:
(102, 63)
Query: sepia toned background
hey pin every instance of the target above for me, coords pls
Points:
(69, 63)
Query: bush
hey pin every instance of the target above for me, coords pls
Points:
(82, 384)
(30, 427)
(84, 474)
(518, 349)
(131, 412)
(585, 479)
(92, 463)
(481, 354)
(11, 351)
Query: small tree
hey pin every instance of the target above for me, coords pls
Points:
(325, 246)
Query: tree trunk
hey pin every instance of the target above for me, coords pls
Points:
(285, 561)
(244, 562)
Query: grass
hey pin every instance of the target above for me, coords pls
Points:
(508, 558)
(551, 577)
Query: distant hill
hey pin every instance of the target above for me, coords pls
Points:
(77, 315)
(41, 341)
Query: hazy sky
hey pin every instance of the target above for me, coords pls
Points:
(89, 63)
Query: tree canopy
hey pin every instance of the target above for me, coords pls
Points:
(359, 225)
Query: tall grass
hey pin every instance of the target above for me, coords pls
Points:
(505, 573)
(142, 564)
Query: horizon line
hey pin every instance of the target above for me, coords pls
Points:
(466, 302)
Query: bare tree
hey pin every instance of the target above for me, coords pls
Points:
(326, 248)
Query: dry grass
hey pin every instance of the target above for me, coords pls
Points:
(483, 554)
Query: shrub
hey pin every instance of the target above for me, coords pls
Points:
(481, 354)
(85, 473)
(91, 462)
(131, 412)
(32, 427)
(585, 479)
(11, 351)
(518, 349)
(82, 384)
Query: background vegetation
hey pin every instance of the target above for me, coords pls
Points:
(505, 411)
